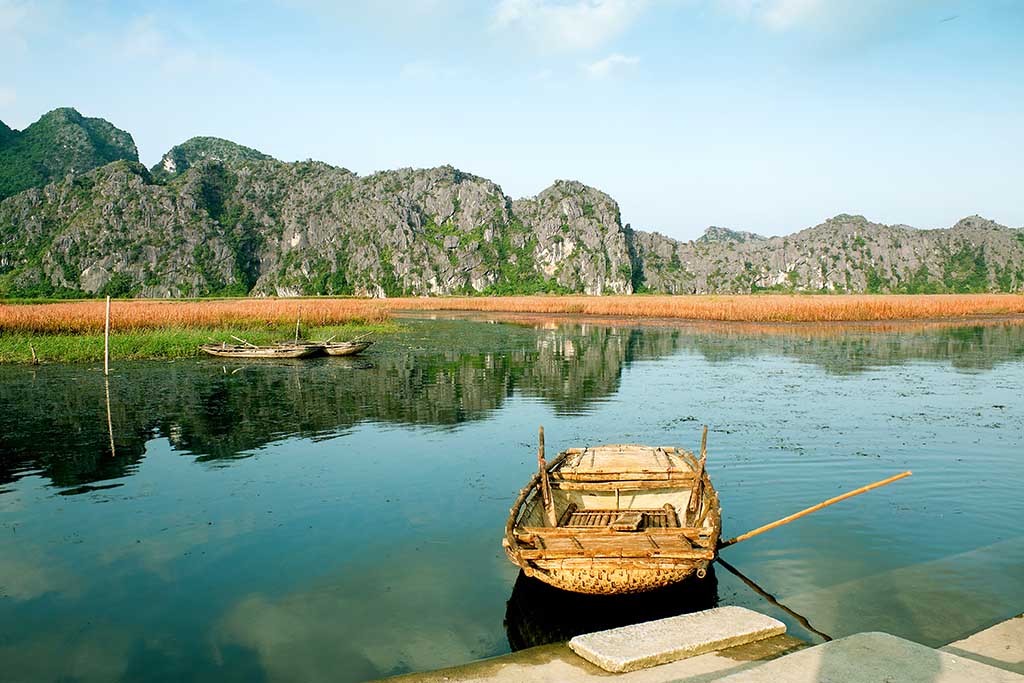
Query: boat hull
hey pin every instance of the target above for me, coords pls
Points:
(245, 352)
(346, 349)
(605, 578)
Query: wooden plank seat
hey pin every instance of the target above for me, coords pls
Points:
(589, 543)
(648, 518)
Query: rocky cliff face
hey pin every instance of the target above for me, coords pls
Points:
(843, 254)
(61, 142)
(214, 217)
(264, 227)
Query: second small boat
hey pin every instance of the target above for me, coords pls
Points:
(349, 348)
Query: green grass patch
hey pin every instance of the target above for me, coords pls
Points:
(160, 344)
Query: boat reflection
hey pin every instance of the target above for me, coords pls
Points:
(539, 614)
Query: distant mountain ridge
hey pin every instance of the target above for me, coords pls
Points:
(217, 218)
(182, 157)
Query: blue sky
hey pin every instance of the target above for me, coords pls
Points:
(764, 115)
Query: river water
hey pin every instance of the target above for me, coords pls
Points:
(341, 519)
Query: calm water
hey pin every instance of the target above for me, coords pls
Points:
(341, 519)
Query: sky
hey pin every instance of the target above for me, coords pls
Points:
(762, 115)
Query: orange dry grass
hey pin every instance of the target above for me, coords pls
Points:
(746, 308)
(87, 316)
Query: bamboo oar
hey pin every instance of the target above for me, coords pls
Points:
(244, 342)
(813, 508)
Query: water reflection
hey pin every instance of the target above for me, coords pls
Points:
(338, 520)
(538, 614)
(53, 420)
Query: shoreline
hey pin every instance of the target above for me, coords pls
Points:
(146, 329)
(752, 327)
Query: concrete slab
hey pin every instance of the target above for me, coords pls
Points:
(1001, 646)
(873, 658)
(558, 663)
(638, 646)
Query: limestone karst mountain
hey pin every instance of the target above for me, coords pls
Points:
(216, 218)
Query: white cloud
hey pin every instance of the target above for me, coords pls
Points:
(603, 68)
(824, 15)
(16, 19)
(8, 96)
(568, 26)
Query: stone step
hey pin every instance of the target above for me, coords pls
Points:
(873, 658)
(1001, 645)
(638, 646)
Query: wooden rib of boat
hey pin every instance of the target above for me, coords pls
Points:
(349, 348)
(277, 351)
(615, 519)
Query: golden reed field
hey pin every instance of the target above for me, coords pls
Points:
(743, 308)
(87, 316)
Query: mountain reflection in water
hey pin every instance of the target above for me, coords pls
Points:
(340, 519)
(441, 374)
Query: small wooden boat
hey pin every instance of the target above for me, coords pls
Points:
(625, 518)
(349, 348)
(615, 519)
(276, 351)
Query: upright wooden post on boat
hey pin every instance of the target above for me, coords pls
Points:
(697, 485)
(106, 341)
(813, 508)
(545, 485)
(297, 319)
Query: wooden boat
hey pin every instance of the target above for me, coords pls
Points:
(276, 351)
(625, 518)
(615, 519)
(349, 348)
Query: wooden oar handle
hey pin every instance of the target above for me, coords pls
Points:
(813, 508)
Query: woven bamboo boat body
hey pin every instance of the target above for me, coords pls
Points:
(278, 351)
(629, 518)
(346, 348)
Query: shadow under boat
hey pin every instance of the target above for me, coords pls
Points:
(539, 614)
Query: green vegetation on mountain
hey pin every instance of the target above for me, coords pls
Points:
(216, 218)
(61, 142)
(182, 157)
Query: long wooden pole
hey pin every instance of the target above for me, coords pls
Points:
(773, 600)
(695, 494)
(106, 341)
(814, 508)
(297, 319)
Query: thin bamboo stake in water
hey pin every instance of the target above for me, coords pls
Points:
(106, 341)
(814, 508)
(110, 422)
